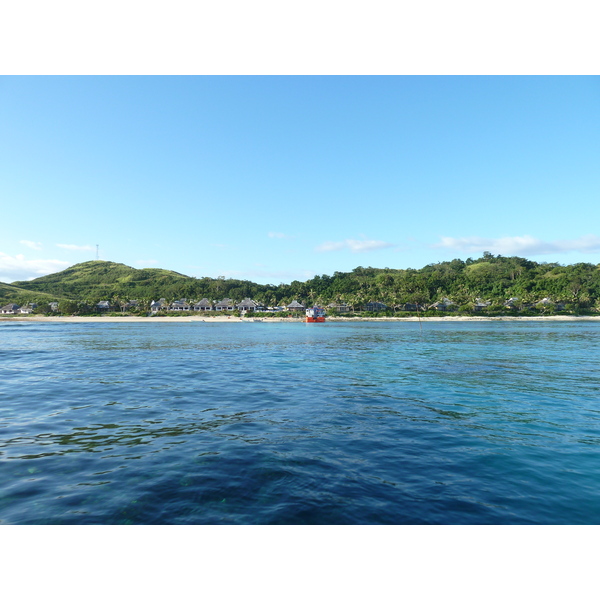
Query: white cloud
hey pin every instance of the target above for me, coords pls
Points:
(354, 246)
(18, 268)
(32, 245)
(74, 247)
(150, 261)
(525, 244)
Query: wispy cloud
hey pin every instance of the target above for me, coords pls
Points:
(363, 245)
(32, 245)
(150, 261)
(18, 268)
(74, 247)
(525, 244)
(279, 236)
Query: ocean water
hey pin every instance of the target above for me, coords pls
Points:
(293, 423)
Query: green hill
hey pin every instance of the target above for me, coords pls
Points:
(97, 279)
(13, 293)
(493, 279)
(104, 280)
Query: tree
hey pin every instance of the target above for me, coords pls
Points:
(68, 307)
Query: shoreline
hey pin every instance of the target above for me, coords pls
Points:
(199, 319)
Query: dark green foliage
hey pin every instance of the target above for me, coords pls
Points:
(69, 307)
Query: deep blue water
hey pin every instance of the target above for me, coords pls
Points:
(293, 423)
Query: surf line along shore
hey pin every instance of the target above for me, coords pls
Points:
(230, 319)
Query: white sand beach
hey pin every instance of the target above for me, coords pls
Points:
(231, 319)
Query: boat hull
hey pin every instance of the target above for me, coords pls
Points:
(315, 319)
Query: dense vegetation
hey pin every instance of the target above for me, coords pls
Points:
(494, 279)
(18, 295)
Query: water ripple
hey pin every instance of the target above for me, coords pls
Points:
(342, 423)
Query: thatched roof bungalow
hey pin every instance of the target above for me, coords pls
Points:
(375, 306)
(28, 308)
(204, 304)
(179, 305)
(158, 305)
(340, 308)
(444, 304)
(225, 304)
(9, 309)
(295, 305)
(247, 304)
(410, 307)
(480, 304)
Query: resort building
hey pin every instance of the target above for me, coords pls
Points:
(247, 304)
(375, 306)
(340, 308)
(9, 309)
(179, 305)
(445, 304)
(28, 308)
(158, 305)
(480, 304)
(295, 305)
(410, 307)
(204, 304)
(225, 304)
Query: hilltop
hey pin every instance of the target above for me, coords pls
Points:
(102, 279)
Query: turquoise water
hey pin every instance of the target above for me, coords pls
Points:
(293, 423)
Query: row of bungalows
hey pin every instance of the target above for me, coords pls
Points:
(106, 306)
(406, 306)
(15, 309)
(225, 305)
(448, 305)
(249, 305)
(511, 304)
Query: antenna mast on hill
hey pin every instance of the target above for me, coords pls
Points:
(97, 252)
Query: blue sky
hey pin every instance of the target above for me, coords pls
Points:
(278, 178)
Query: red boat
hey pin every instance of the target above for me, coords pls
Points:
(315, 315)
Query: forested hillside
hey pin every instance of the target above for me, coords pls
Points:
(13, 293)
(491, 278)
